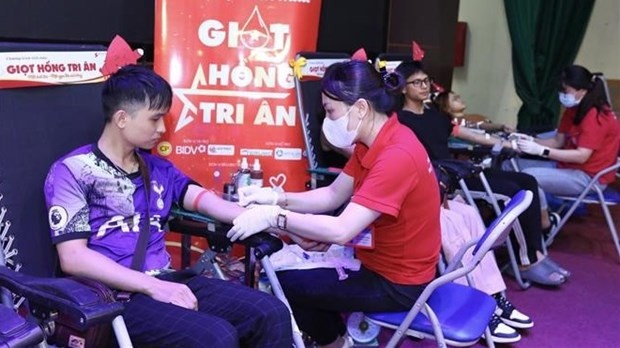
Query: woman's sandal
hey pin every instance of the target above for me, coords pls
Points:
(542, 273)
(554, 265)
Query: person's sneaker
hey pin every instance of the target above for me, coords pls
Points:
(510, 315)
(502, 333)
(554, 220)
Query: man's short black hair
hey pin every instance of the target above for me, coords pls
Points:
(409, 67)
(133, 87)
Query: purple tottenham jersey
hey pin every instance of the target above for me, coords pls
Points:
(88, 197)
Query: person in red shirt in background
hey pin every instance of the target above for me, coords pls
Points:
(587, 138)
(390, 186)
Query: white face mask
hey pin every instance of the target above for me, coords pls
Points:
(568, 100)
(336, 130)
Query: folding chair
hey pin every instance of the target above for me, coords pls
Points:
(449, 312)
(592, 194)
(309, 68)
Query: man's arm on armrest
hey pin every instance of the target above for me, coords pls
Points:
(208, 203)
(78, 260)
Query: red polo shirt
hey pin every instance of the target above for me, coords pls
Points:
(599, 132)
(395, 177)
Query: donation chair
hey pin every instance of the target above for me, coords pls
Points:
(451, 313)
(40, 124)
(308, 69)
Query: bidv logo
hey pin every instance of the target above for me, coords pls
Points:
(190, 149)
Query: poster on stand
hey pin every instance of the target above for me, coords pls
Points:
(228, 63)
(234, 97)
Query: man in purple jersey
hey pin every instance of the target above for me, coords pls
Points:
(96, 200)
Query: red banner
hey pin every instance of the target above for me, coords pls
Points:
(234, 97)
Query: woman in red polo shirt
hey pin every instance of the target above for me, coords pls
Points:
(389, 185)
(587, 138)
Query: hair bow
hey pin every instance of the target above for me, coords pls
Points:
(297, 65)
(118, 55)
(360, 54)
(437, 88)
(416, 51)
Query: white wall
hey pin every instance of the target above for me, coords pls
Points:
(486, 82)
(600, 49)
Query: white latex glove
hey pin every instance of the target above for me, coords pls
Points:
(252, 221)
(519, 136)
(530, 147)
(257, 195)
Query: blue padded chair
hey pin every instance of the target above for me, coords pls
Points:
(591, 195)
(449, 312)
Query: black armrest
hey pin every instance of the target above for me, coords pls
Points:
(213, 232)
(500, 153)
(195, 224)
(79, 304)
(264, 244)
(474, 152)
(16, 331)
(458, 169)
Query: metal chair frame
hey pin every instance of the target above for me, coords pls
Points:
(586, 197)
(429, 324)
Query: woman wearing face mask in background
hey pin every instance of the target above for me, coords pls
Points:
(392, 189)
(587, 138)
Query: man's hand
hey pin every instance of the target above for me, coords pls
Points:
(256, 219)
(174, 293)
(530, 147)
(258, 195)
